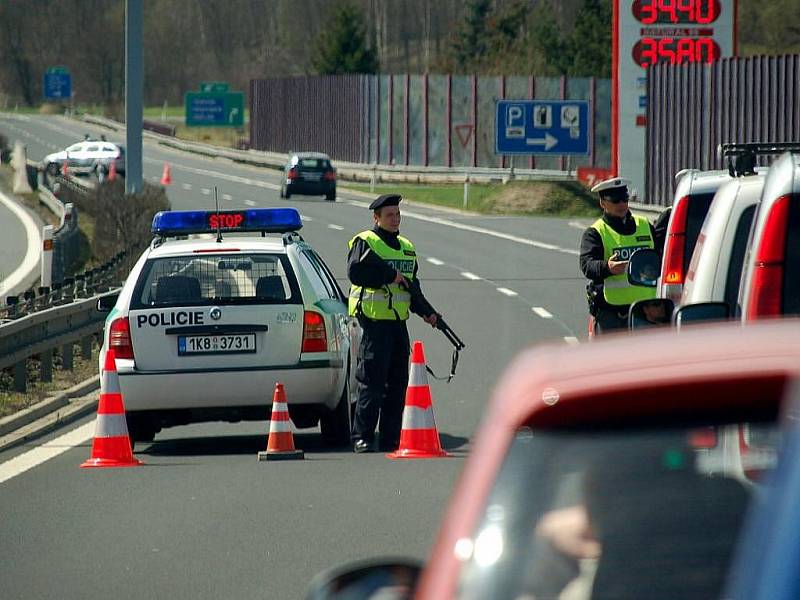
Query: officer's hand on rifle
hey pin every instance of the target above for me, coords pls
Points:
(431, 319)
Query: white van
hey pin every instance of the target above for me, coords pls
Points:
(715, 269)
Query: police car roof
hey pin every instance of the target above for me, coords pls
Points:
(206, 243)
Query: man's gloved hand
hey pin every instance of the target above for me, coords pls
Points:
(431, 319)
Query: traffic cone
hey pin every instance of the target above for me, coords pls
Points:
(112, 445)
(419, 437)
(280, 444)
(112, 170)
(65, 168)
(166, 177)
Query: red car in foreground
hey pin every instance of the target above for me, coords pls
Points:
(618, 469)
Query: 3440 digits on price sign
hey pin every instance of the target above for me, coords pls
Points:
(685, 12)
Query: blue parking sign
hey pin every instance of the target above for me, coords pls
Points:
(555, 127)
(57, 84)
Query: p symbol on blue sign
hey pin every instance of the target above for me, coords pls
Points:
(515, 121)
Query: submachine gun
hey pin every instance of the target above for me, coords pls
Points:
(448, 332)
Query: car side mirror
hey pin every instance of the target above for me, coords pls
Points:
(396, 580)
(107, 302)
(650, 313)
(644, 268)
(702, 311)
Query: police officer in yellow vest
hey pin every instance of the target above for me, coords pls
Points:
(382, 268)
(606, 247)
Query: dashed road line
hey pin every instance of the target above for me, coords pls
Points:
(571, 340)
(249, 203)
(186, 186)
(335, 227)
(305, 218)
(205, 192)
(542, 312)
(507, 292)
(227, 197)
(470, 276)
(434, 261)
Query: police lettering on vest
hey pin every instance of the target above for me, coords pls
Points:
(616, 289)
(391, 302)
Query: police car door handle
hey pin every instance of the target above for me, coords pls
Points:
(215, 329)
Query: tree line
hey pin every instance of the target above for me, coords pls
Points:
(240, 40)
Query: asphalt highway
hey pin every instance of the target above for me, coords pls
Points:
(205, 519)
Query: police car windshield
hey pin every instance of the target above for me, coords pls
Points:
(207, 279)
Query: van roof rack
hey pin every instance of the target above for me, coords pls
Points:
(742, 157)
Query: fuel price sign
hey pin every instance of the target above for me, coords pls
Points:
(649, 32)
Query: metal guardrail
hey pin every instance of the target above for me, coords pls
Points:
(42, 332)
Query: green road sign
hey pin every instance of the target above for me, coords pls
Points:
(214, 87)
(214, 110)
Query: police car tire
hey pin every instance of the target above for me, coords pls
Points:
(287, 194)
(335, 425)
(140, 429)
(330, 197)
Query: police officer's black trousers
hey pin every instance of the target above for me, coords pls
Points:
(382, 375)
(609, 319)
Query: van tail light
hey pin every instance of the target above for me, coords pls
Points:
(703, 438)
(293, 173)
(119, 338)
(329, 176)
(675, 249)
(314, 337)
(766, 297)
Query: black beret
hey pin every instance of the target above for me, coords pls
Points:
(385, 200)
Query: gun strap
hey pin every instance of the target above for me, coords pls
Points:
(453, 364)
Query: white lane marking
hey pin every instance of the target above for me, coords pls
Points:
(305, 218)
(571, 340)
(434, 261)
(249, 203)
(544, 313)
(507, 291)
(475, 229)
(205, 192)
(186, 186)
(227, 197)
(471, 276)
(34, 238)
(31, 458)
(336, 227)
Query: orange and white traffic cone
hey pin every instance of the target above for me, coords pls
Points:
(65, 168)
(419, 437)
(166, 177)
(112, 444)
(112, 170)
(280, 444)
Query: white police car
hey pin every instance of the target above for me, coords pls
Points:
(211, 318)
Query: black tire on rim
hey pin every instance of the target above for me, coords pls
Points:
(335, 425)
(140, 429)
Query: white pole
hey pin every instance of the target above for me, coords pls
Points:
(372, 179)
(466, 189)
(47, 256)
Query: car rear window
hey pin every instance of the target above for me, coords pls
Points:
(314, 164)
(791, 274)
(740, 241)
(206, 279)
(623, 514)
(698, 209)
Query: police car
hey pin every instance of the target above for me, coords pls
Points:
(215, 313)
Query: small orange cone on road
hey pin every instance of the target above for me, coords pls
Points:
(280, 444)
(112, 170)
(419, 437)
(166, 177)
(112, 445)
(65, 168)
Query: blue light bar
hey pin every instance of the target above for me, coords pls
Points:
(184, 222)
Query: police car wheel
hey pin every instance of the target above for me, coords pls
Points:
(330, 196)
(335, 425)
(140, 428)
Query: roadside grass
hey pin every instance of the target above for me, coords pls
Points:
(544, 198)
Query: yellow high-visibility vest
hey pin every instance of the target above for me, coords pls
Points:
(391, 302)
(616, 288)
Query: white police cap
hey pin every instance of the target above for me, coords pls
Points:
(608, 185)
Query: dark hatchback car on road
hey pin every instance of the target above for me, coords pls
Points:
(309, 174)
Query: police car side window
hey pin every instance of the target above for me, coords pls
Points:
(329, 277)
(320, 283)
